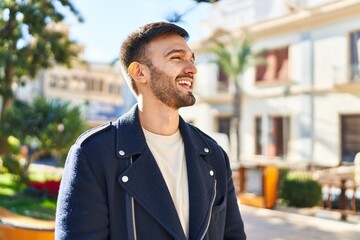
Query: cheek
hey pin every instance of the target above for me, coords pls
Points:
(175, 71)
(171, 69)
(171, 72)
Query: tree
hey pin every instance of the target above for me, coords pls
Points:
(51, 124)
(32, 38)
(233, 58)
(176, 17)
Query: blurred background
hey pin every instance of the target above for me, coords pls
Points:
(278, 86)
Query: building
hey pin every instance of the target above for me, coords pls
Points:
(97, 88)
(303, 107)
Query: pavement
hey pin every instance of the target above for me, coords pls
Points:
(266, 224)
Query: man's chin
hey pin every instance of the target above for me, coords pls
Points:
(183, 102)
(190, 102)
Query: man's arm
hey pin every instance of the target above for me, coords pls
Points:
(82, 211)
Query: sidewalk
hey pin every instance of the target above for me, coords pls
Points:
(265, 224)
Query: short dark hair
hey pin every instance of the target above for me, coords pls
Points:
(134, 47)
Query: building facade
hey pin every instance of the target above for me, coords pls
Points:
(98, 89)
(301, 108)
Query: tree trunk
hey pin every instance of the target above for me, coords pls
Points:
(237, 119)
(30, 158)
(7, 101)
(9, 74)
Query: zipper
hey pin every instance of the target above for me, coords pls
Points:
(212, 203)
(133, 210)
(130, 212)
(133, 217)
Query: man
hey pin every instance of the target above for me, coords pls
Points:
(150, 175)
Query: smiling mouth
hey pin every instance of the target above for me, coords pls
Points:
(185, 83)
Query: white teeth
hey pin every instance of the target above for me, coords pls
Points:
(185, 82)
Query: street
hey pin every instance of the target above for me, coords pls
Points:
(265, 224)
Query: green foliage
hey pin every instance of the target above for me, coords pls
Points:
(9, 185)
(43, 127)
(14, 199)
(10, 164)
(33, 37)
(51, 124)
(14, 144)
(235, 56)
(300, 190)
(283, 172)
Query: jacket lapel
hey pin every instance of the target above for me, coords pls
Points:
(201, 180)
(144, 179)
(147, 186)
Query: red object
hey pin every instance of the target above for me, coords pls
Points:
(50, 188)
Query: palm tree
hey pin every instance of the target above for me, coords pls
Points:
(234, 57)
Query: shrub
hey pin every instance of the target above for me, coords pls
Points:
(300, 190)
(11, 165)
(283, 172)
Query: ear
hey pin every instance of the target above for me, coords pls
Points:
(138, 72)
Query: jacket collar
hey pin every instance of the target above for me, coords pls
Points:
(130, 139)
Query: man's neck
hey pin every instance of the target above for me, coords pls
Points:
(159, 119)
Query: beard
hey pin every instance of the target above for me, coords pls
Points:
(164, 88)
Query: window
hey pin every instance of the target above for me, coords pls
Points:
(254, 180)
(350, 137)
(89, 83)
(100, 85)
(53, 81)
(223, 82)
(278, 136)
(77, 83)
(276, 66)
(355, 56)
(64, 82)
(224, 125)
(258, 133)
(114, 88)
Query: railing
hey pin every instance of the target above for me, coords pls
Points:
(355, 73)
(343, 75)
(342, 196)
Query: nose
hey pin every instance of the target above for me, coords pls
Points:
(191, 68)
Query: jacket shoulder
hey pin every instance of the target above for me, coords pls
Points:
(203, 135)
(91, 133)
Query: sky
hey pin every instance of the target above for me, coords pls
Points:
(108, 22)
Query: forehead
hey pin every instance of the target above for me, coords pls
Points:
(166, 43)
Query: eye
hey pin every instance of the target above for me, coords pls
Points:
(176, 57)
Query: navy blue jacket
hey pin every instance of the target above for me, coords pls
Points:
(113, 189)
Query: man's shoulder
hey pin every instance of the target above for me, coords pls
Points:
(203, 135)
(96, 132)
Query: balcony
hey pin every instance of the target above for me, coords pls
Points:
(347, 79)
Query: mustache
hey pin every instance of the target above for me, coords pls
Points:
(185, 76)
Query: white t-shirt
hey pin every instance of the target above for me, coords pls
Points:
(169, 154)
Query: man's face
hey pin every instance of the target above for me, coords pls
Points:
(172, 71)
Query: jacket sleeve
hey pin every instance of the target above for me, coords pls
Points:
(234, 226)
(82, 211)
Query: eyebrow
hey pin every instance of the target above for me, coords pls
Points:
(179, 51)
